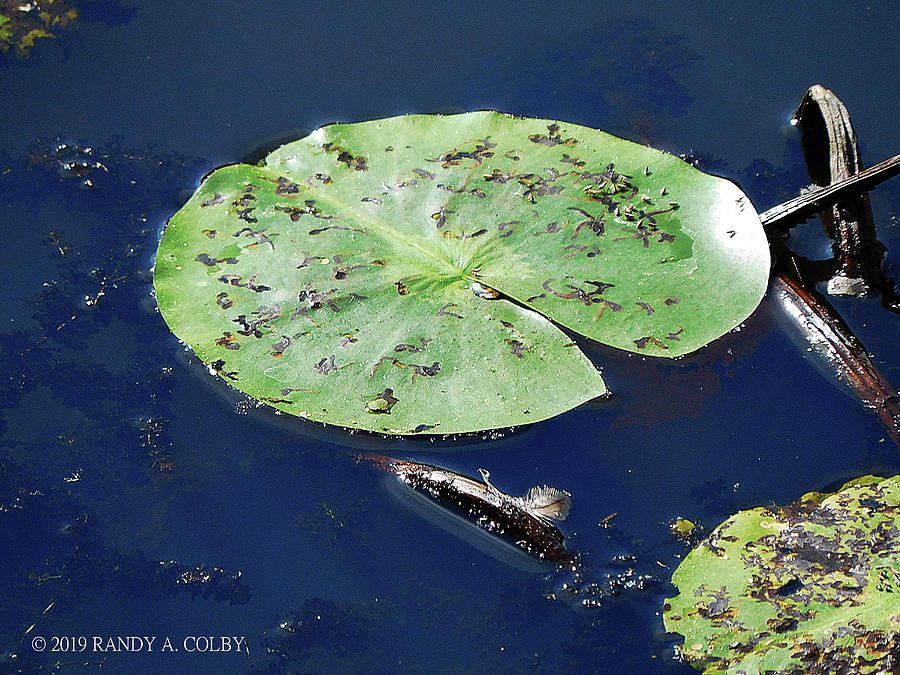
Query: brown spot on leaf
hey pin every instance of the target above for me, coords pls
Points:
(441, 217)
(223, 301)
(641, 343)
(606, 183)
(309, 208)
(320, 230)
(587, 297)
(382, 404)
(290, 390)
(311, 299)
(308, 260)
(574, 161)
(358, 163)
(423, 343)
(383, 359)
(278, 347)
(424, 371)
(423, 427)
(323, 178)
(595, 225)
(782, 624)
(552, 138)
(247, 327)
(552, 228)
(213, 262)
(264, 315)
(575, 249)
(497, 176)
(228, 341)
(236, 280)
(443, 311)
(478, 155)
(344, 271)
(218, 367)
(244, 209)
(326, 365)
(641, 232)
(286, 187)
(517, 347)
(506, 229)
(537, 186)
(258, 235)
(451, 235)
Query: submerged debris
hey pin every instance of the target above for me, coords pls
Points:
(524, 521)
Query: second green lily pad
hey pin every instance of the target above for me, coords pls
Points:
(811, 587)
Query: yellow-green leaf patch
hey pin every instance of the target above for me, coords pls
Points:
(811, 587)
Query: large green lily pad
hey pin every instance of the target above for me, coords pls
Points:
(812, 587)
(398, 275)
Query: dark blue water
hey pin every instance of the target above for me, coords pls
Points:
(141, 497)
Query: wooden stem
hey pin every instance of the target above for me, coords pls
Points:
(833, 161)
(832, 341)
(805, 206)
(832, 155)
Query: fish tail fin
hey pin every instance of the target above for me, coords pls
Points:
(547, 502)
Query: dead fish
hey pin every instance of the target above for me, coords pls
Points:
(524, 521)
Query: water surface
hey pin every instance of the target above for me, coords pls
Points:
(141, 497)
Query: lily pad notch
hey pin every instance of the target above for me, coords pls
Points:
(404, 275)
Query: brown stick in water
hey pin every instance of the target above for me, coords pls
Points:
(833, 161)
(833, 342)
(807, 205)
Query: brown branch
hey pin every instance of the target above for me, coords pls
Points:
(832, 341)
(833, 161)
(807, 205)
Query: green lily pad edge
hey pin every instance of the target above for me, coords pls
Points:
(811, 587)
(416, 274)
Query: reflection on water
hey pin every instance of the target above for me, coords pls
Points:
(135, 498)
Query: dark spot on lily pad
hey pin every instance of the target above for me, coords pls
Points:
(382, 404)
